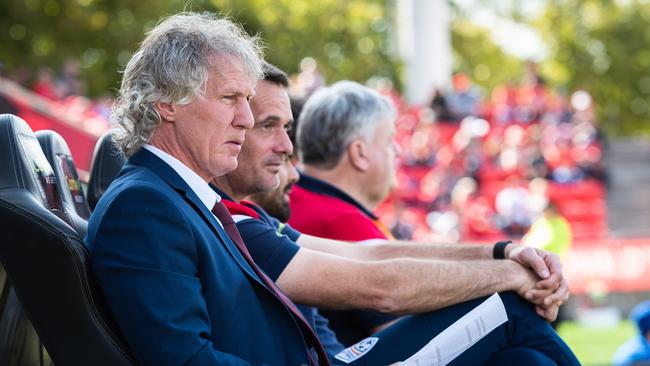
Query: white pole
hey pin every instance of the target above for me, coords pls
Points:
(424, 39)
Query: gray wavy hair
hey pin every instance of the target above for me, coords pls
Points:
(335, 116)
(172, 66)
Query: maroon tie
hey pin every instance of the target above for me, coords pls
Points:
(221, 212)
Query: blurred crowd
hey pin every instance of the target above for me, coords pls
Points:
(484, 167)
(65, 90)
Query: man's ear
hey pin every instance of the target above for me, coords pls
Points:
(358, 155)
(167, 111)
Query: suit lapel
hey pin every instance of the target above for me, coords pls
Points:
(148, 159)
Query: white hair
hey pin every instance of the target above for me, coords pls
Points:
(172, 66)
(334, 116)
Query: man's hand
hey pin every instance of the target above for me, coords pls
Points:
(549, 313)
(534, 259)
(527, 288)
(552, 289)
(547, 302)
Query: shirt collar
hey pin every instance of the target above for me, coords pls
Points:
(320, 186)
(202, 189)
(221, 193)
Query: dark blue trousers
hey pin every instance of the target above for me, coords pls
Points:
(525, 339)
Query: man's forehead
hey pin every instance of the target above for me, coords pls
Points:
(268, 89)
(271, 99)
(228, 72)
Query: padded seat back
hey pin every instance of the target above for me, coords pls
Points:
(106, 163)
(46, 262)
(68, 186)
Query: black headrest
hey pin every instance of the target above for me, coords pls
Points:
(23, 164)
(46, 261)
(58, 154)
(106, 164)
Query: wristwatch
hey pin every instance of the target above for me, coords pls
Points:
(499, 249)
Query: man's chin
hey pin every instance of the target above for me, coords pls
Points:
(272, 183)
(224, 168)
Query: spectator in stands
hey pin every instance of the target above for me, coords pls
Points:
(636, 351)
(353, 270)
(400, 229)
(440, 107)
(181, 289)
(512, 208)
(69, 82)
(308, 80)
(465, 97)
(550, 232)
(45, 85)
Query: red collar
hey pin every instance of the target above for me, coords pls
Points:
(241, 208)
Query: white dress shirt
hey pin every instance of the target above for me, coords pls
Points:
(206, 194)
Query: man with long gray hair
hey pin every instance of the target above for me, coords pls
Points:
(176, 278)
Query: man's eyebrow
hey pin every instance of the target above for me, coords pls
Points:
(270, 118)
(237, 93)
(234, 90)
(275, 119)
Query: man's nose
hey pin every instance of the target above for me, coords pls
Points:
(292, 172)
(244, 116)
(284, 144)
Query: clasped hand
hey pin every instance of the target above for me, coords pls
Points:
(549, 289)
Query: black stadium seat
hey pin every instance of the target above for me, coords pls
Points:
(106, 163)
(69, 188)
(46, 264)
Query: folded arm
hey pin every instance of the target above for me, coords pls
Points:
(551, 289)
(400, 285)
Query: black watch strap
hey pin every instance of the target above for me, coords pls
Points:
(499, 249)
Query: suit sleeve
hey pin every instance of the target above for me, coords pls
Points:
(145, 259)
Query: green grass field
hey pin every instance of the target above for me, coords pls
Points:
(595, 346)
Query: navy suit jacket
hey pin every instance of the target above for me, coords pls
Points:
(179, 289)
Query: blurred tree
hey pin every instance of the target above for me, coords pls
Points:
(479, 57)
(100, 34)
(348, 39)
(602, 46)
